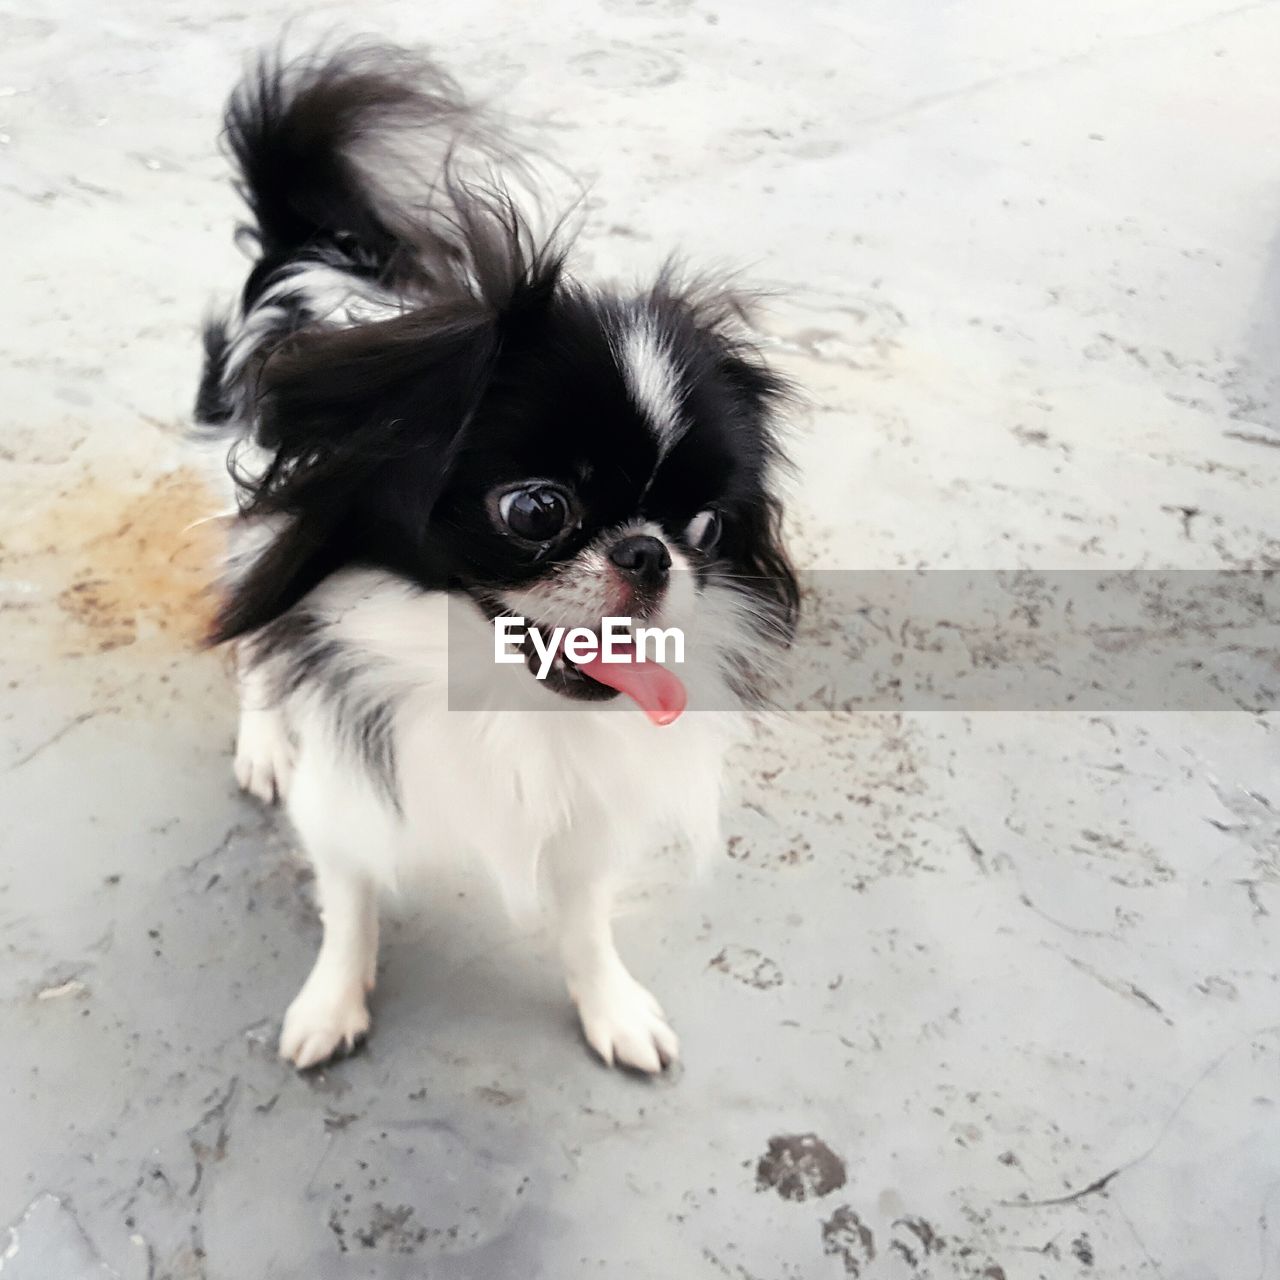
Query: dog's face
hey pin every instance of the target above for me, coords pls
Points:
(575, 457)
(618, 466)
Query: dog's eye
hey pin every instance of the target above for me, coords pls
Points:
(537, 513)
(703, 531)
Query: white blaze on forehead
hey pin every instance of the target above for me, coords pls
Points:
(653, 379)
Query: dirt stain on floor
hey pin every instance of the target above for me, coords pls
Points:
(800, 1166)
(113, 563)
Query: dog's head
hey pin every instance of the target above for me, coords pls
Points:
(555, 453)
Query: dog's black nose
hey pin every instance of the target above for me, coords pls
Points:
(643, 559)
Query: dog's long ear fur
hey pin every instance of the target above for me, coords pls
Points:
(379, 408)
(757, 525)
(336, 408)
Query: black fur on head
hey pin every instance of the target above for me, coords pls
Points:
(398, 442)
(361, 424)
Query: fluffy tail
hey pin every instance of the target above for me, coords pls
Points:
(348, 159)
(329, 148)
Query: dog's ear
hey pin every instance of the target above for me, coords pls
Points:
(770, 575)
(757, 393)
(757, 396)
(337, 408)
(358, 421)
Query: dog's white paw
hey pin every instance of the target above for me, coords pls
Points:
(264, 755)
(323, 1020)
(624, 1024)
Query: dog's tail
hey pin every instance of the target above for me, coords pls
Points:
(349, 160)
(343, 150)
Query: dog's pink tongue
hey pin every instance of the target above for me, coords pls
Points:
(659, 693)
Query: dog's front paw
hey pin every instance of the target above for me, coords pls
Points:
(323, 1021)
(264, 755)
(624, 1024)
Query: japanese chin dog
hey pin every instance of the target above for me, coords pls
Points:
(433, 428)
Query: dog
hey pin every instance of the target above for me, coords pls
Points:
(431, 428)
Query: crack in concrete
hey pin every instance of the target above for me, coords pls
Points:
(41, 747)
(217, 1149)
(926, 102)
(1121, 986)
(976, 851)
(1099, 1185)
(1249, 438)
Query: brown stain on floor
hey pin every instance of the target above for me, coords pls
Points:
(125, 562)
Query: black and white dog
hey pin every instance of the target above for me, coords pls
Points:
(430, 427)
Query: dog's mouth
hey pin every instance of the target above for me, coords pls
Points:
(655, 689)
(562, 674)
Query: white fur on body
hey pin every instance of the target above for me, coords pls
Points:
(557, 799)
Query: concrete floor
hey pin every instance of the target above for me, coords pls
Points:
(968, 996)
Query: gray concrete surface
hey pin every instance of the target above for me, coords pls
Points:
(1015, 974)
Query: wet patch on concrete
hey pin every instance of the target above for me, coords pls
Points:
(847, 1237)
(800, 1167)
